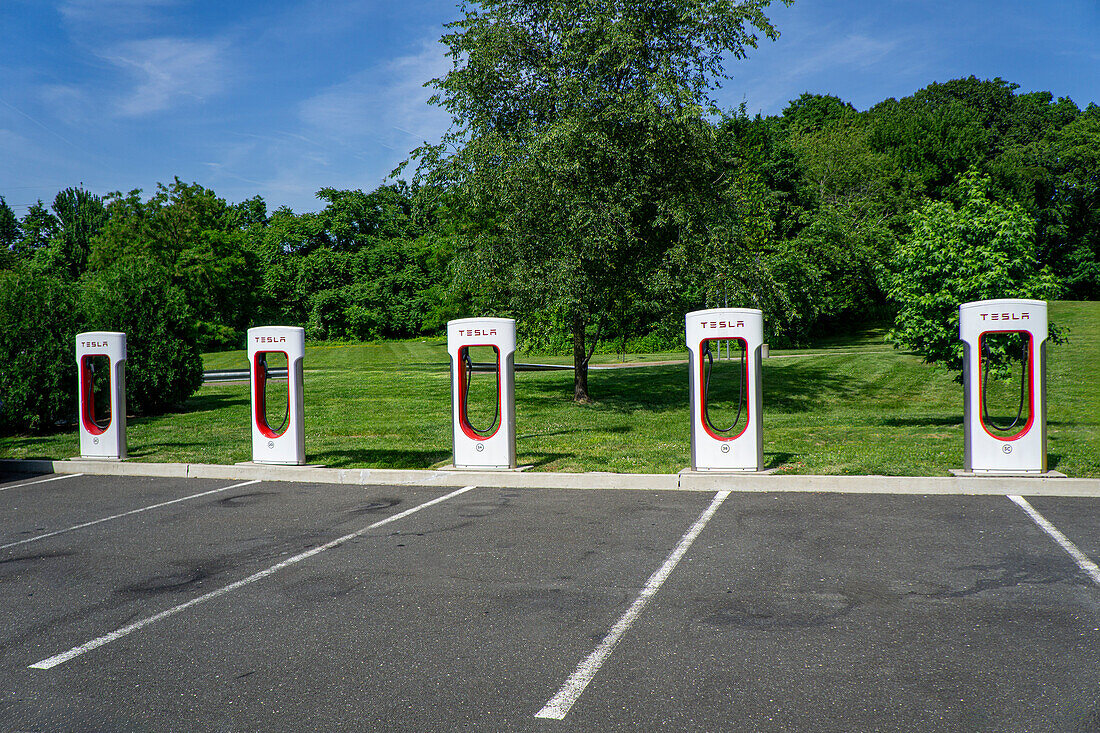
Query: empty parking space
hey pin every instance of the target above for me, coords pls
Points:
(807, 613)
(1077, 518)
(787, 612)
(32, 507)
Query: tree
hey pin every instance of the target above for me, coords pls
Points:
(812, 111)
(1072, 214)
(579, 143)
(9, 235)
(9, 226)
(135, 295)
(846, 232)
(977, 250)
(38, 323)
(81, 215)
(199, 239)
(38, 227)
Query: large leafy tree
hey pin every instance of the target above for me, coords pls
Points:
(976, 250)
(1072, 211)
(81, 215)
(38, 226)
(579, 142)
(9, 234)
(9, 226)
(200, 241)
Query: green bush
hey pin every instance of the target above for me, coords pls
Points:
(978, 250)
(326, 315)
(38, 326)
(136, 296)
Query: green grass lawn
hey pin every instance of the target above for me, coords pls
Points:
(853, 406)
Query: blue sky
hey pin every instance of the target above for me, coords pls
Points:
(283, 97)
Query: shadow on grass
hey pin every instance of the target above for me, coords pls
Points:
(656, 388)
(788, 387)
(542, 459)
(952, 421)
(148, 449)
(613, 429)
(378, 458)
(802, 387)
(210, 402)
(44, 443)
(775, 460)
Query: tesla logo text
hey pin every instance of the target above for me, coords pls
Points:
(94, 344)
(1006, 316)
(269, 339)
(477, 332)
(723, 324)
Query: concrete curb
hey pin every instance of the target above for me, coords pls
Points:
(684, 481)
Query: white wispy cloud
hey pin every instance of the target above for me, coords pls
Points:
(349, 135)
(168, 71)
(66, 102)
(386, 105)
(854, 51)
(126, 13)
(777, 74)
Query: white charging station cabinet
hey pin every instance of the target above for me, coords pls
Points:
(487, 446)
(280, 444)
(739, 447)
(102, 436)
(1020, 447)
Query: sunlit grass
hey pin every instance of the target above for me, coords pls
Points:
(855, 406)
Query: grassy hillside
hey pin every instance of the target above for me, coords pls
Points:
(853, 406)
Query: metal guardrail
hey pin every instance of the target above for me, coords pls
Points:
(242, 375)
(236, 375)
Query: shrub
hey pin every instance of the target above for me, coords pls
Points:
(38, 326)
(136, 296)
(976, 251)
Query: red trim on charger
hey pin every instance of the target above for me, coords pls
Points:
(87, 396)
(463, 423)
(259, 394)
(1030, 387)
(703, 390)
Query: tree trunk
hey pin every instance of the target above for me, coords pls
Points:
(580, 362)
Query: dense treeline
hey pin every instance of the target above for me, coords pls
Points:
(800, 216)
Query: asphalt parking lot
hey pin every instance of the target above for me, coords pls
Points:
(159, 604)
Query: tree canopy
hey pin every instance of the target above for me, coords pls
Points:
(580, 142)
(616, 203)
(976, 250)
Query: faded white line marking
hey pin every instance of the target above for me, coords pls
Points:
(126, 514)
(131, 628)
(1079, 557)
(560, 704)
(41, 481)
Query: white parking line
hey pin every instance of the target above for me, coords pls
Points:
(1079, 557)
(119, 633)
(560, 704)
(41, 481)
(126, 514)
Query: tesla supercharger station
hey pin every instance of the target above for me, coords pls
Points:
(284, 443)
(102, 433)
(483, 444)
(739, 445)
(1004, 443)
